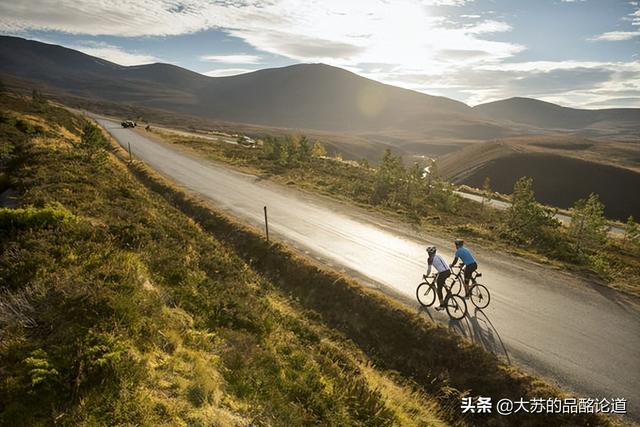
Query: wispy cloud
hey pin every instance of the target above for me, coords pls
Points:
(488, 26)
(224, 72)
(613, 36)
(113, 53)
(232, 59)
(128, 18)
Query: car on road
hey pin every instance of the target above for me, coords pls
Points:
(128, 124)
(245, 141)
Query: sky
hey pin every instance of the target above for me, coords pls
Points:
(578, 53)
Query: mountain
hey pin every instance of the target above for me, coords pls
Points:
(546, 115)
(311, 96)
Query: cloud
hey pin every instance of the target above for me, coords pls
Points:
(232, 59)
(616, 36)
(223, 72)
(113, 53)
(612, 36)
(126, 18)
(488, 26)
(445, 2)
(343, 33)
(103, 50)
(572, 83)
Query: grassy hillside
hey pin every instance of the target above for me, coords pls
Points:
(117, 309)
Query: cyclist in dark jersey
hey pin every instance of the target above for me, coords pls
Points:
(469, 261)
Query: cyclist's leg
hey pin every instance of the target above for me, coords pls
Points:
(468, 271)
(439, 283)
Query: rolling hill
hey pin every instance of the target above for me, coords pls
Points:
(564, 169)
(308, 96)
(545, 115)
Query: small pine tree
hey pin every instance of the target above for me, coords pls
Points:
(391, 173)
(588, 225)
(304, 149)
(487, 194)
(631, 231)
(526, 219)
(318, 150)
(271, 148)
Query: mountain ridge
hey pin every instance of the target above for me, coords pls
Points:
(302, 96)
(545, 114)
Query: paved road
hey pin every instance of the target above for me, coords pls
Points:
(584, 336)
(498, 204)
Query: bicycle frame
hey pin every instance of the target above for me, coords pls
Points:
(460, 270)
(433, 283)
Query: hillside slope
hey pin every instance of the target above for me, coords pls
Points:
(564, 169)
(546, 115)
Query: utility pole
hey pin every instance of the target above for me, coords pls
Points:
(266, 223)
(129, 145)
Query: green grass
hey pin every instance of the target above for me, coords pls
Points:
(118, 309)
(615, 264)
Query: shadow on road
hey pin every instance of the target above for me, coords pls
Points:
(478, 328)
(475, 326)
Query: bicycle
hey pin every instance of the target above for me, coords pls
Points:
(455, 305)
(480, 296)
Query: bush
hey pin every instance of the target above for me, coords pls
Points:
(93, 142)
(25, 218)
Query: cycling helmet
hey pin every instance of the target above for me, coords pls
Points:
(431, 250)
(459, 242)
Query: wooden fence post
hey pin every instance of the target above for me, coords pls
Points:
(266, 223)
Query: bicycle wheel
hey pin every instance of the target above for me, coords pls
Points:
(456, 286)
(456, 307)
(480, 295)
(426, 294)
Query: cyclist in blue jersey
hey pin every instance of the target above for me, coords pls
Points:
(469, 261)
